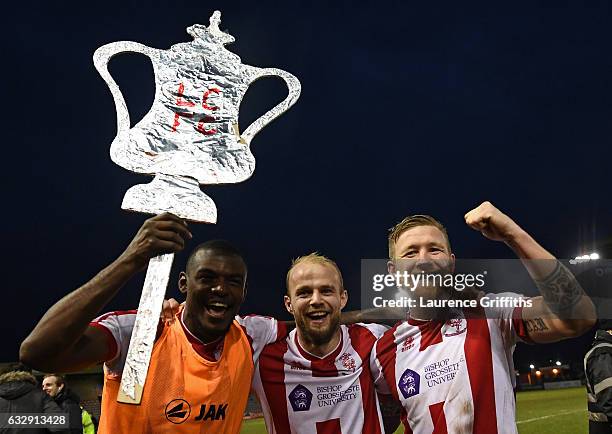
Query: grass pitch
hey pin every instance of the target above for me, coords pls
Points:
(538, 412)
(562, 411)
(253, 426)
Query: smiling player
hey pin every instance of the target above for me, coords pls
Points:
(453, 371)
(317, 380)
(201, 365)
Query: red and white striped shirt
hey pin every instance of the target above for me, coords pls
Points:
(455, 376)
(303, 394)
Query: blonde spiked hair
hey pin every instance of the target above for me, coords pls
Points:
(412, 222)
(314, 258)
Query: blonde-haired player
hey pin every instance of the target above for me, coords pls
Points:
(318, 380)
(452, 370)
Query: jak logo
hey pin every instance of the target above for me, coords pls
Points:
(409, 383)
(177, 411)
(212, 412)
(300, 398)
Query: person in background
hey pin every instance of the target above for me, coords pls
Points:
(19, 394)
(87, 420)
(55, 386)
(598, 371)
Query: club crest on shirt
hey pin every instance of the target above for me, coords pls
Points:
(300, 398)
(408, 343)
(455, 326)
(409, 383)
(348, 362)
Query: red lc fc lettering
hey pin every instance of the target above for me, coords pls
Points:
(204, 119)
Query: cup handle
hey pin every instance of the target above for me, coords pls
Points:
(294, 87)
(101, 58)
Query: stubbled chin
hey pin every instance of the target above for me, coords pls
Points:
(319, 326)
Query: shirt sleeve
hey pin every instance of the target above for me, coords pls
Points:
(377, 373)
(118, 327)
(261, 331)
(376, 329)
(503, 310)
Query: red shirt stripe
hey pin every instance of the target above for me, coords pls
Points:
(479, 362)
(324, 367)
(362, 341)
(386, 352)
(438, 418)
(431, 332)
(272, 368)
(331, 426)
(519, 325)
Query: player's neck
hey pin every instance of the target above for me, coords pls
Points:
(197, 330)
(208, 340)
(423, 313)
(319, 349)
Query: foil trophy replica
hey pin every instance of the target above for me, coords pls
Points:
(189, 137)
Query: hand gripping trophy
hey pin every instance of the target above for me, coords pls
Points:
(189, 137)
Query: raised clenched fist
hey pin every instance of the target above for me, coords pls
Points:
(491, 222)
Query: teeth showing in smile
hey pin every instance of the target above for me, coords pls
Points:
(217, 307)
(317, 315)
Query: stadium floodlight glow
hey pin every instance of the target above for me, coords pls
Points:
(538, 373)
(558, 363)
(531, 366)
(588, 257)
(555, 371)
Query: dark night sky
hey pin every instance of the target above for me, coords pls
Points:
(406, 107)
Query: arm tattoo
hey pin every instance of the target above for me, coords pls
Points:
(561, 290)
(535, 325)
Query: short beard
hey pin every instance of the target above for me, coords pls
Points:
(318, 337)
